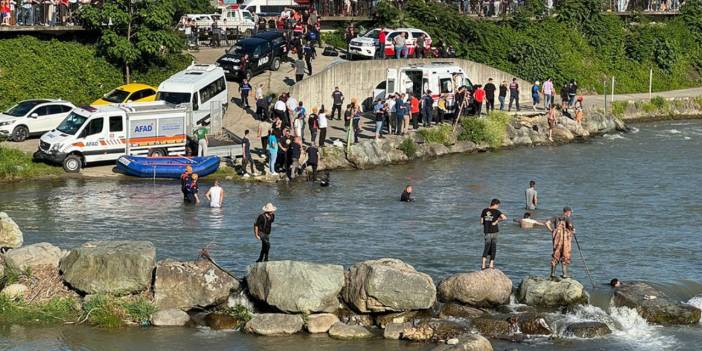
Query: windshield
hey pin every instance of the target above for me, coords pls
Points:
(373, 33)
(240, 50)
(72, 123)
(116, 96)
(22, 108)
(173, 98)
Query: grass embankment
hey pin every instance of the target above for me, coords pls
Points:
(489, 130)
(17, 165)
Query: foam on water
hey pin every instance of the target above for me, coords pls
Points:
(674, 131)
(697, 302)
(614, 137)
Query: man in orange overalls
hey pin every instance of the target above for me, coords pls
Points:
(562, 231)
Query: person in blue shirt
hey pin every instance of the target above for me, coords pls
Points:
(535, 91)
(272, 152)
(400, 112)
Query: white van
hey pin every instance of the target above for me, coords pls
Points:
(229, 18)
(439, 77)
(104, 133)
(204, 87)
(268, 7)
(32, 117)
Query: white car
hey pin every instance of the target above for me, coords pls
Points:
(367, 44)
(31, 117)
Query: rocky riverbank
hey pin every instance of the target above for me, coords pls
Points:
(117, 283)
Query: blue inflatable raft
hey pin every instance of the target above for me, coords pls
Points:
(166, 167)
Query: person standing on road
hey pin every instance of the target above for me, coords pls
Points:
(202, 141)
(310, 54)
(301, 118)
(323, 124)
(490, 218)
(513, 94)
(531, 197)
(549, 92)
(562, 231)
(381, 42)
(246, 158)
(489, 96)
(262, 230)
(503, 95)
(245, 89)
(215, 195)
(337, 102)
(378, 110)
(427, 107)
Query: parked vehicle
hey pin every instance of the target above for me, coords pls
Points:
(104, 133)
(277, 40)
(229, 18)
(31, 117)
(133, 92)
(249, 57)
(269, 7)
(203, 87)
(442, 78)
(367, 44)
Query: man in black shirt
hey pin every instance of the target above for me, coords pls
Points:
(337, 101)
(246, 153)
(313, 160)
(295, 152)
(490, 218)
(262, 230)
(490, 95)
(407, 194)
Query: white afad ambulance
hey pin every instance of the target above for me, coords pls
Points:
(441, 78)
(104, 133)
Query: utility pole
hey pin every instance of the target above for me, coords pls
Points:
(129, 40)
(650, 83)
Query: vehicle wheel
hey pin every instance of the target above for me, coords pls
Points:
(21, 133)
(158, 153)
(275, 65)
(72, 164)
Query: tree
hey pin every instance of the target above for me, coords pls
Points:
(134, 33)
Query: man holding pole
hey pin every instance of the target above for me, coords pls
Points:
(562, 232)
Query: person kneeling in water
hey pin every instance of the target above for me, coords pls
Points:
(407, 194)
(527, 222)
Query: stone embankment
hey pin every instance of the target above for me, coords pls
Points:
(382, 298)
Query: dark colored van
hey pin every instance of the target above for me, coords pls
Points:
(249, 57)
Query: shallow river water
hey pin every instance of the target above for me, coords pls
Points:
(636, 208)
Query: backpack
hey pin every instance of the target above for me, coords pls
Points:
(330, 51)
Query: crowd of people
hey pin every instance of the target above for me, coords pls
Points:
(40, 12)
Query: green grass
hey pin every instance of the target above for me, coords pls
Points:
(698, 101)
(240, 313)
(55, 311)
(408, 147)
(490, 130)
(16, 164)
(335, 39)
(619, 107)
(648, 107)
(109, 312)
(659, 102)
(441, 134)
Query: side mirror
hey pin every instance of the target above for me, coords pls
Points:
(34, 115)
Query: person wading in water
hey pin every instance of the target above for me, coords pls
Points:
(184, 179)
(489, 218)
(262, 230)
(562, 231)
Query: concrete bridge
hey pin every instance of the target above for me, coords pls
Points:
(358, 79)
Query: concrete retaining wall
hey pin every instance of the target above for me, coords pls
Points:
(357, 79)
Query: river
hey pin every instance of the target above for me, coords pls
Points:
(635, 208)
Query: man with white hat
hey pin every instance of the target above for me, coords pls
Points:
(262, 230)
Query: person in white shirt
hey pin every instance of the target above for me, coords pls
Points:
(322, 122)
(215, 195)
(279, 108)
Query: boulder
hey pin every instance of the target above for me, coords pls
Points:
(467, 342)
(320, 323)
(455, 310)
(272, 324)
(221, 321)
(493, 328)
(486, 288)
(110, 267)
(170, 318)
(394, 331)
(587, 330)
(388, 285)
(435, 330)
(296, 287)
(10, 233)
(536, 291)
(654, 305)
(33, 256)
(422, 332)
(382, 320)
(345, 332)
(533, 324)
(187, 285)
(15, 291)
(239, 298)
(350, 317)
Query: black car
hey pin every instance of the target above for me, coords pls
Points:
(249, 57)
(277, 40)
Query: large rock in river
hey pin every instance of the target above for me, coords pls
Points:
(387, 285)
(345, 332)
(297, 287)
(274, 324)
(320, 322)
(170, 318)
(467, 342)
(482, 289)
(587, 329)
(654, 305)
(110, 267)
(33, 256)
(10, 233)
(537, 291)
(186, 285)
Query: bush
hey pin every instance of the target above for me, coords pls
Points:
(441, 134)
(55, 311)
(335, 39)
(240, 313)
(490, 130)
(659, 102)
(109, 312)
(16, 164)
(408, 147)
(619, 107)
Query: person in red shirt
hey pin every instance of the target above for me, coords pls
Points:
(414, 110)
(479, 98)
(381, 40)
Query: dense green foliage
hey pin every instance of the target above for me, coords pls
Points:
(441, 134)
(490, 130)
(579, 43)
(408, 147)
(16, 164)
(55, 311)
(109, 312)
(31, 68)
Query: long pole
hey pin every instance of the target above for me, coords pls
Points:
(604, 92)
(650, 83)
(612, 99)
(584, 263)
